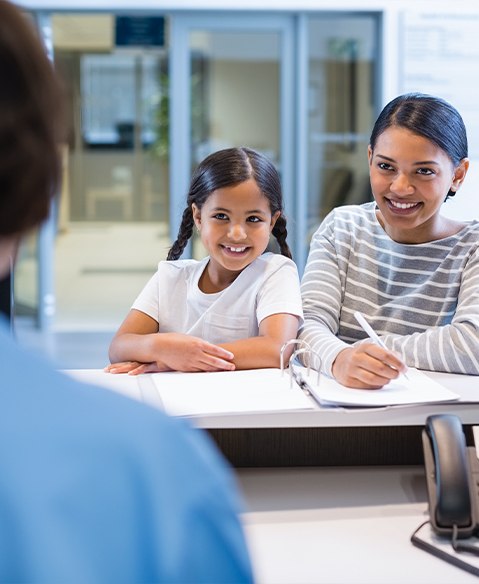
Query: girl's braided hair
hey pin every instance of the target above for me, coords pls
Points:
(227, 168)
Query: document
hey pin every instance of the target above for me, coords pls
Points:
(230, 392)
(417, 388)
(265, 390)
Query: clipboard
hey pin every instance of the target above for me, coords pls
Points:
(416, 389)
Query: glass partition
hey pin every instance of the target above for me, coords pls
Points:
(112, 224)
(144, 111)
(343, 63)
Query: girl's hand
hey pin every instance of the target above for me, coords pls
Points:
(132, 368)
(181, 352)
(367, 366)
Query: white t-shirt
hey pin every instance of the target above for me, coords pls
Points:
(269, 285)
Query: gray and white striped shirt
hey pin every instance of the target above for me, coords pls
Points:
(422, 299)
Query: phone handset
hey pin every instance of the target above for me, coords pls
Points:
(447, 474)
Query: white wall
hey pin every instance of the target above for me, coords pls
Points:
(440, 56)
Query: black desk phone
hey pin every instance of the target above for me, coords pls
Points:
(452, 474)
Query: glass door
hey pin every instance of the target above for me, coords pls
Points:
(232, 78)
(301, 88)
(110, 226)
(342, 55)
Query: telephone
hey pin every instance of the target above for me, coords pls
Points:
(452, 475)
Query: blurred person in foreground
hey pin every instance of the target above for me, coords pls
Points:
(94, 487)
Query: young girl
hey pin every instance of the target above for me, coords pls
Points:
(235, 308)
(413, 272)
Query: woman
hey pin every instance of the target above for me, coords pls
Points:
(412, 272)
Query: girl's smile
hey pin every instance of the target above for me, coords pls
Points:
(235, 251)
(235, 224)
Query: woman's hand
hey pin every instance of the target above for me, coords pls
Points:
(367, 366)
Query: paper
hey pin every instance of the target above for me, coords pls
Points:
(417, 389)
(229, 392)
(264, 390)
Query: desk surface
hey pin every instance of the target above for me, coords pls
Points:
(143, 389)
(339, 526)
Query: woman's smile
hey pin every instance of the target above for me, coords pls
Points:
(402, 207)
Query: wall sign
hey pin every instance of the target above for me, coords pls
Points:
(139, 31)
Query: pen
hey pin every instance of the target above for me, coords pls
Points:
(367, 328)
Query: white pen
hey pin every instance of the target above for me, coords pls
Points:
(367, 328)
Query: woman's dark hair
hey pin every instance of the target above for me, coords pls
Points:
(431, 117)
(227, 168)
(30, 106)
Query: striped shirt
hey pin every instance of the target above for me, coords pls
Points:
(422, 299)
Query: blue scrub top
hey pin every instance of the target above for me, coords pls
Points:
(95, 487)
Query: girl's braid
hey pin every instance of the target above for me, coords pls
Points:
(280, 232)
(184, 234)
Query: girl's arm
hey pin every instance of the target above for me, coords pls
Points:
(139, 341)
(264, 350)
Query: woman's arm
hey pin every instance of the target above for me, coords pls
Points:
(322, 290)
(322, 293)
(264, 350)
(453, 348)
(138, 340)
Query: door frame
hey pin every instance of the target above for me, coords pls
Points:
(46, 297)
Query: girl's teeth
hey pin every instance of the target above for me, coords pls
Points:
(403, 205)
(237, 249)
